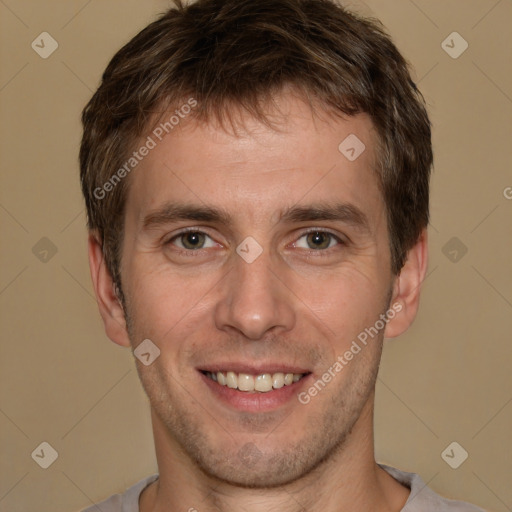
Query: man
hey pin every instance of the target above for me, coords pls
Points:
(256, 178)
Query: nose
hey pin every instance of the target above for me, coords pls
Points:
(254, 299)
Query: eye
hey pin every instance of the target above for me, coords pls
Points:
(192, 240)
(317, 240)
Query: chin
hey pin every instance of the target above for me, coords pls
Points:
(265, 473)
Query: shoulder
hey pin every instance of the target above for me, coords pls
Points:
(128, 501)
(424, 499)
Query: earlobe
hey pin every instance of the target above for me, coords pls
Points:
(407, 287)
(111, 309)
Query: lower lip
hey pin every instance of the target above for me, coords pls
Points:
(255, 402)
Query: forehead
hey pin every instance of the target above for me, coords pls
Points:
(260, 171)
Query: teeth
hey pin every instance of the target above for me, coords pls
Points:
(263, 382)
(247, 382)
(221, 378)
(231, 380)
(277, 380)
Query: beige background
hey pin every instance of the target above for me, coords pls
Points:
(63, 382)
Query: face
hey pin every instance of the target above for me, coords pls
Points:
(246, 258)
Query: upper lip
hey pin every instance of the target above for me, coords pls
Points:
(252, 369)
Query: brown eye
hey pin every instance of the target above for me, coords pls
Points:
(319, 240)
(191, 240)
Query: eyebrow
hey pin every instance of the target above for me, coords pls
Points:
(172, 212)
(344, 212)
(341, 212)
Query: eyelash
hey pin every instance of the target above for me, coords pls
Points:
(317, 252)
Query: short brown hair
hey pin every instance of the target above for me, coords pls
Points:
(227, 53)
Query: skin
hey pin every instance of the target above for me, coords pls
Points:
(295, 303)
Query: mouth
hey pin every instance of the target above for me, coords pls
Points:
(255, 389)
(254, 383)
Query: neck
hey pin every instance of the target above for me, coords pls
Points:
(349, 480)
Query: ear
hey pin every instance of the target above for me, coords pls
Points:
(110, 307)
(406, 289)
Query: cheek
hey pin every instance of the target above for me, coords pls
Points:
(345, 301)
(162, 303)
(151, 308)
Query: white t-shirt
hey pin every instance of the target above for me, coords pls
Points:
(421, 498)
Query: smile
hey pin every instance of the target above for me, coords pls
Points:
(262, 383)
